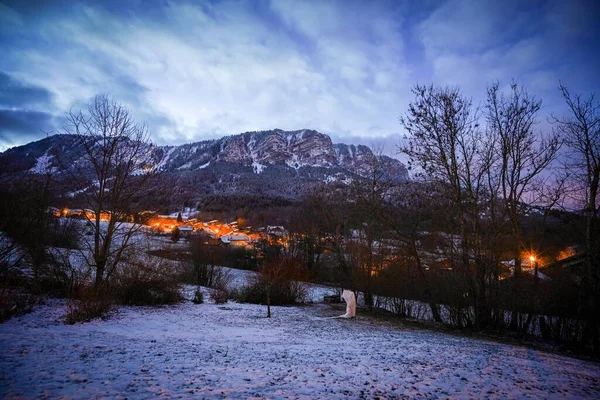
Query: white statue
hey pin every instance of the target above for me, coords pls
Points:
(350, 299)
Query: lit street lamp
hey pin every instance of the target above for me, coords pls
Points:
(535, 265)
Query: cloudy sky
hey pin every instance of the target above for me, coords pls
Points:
(203, 69)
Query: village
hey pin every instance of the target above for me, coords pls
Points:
(185, 224)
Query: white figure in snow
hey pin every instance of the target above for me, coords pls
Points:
(350, 299)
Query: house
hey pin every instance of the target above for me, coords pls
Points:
(185, 230)
(105, 215)
(276, 230)
(568, 269)
(81, 213)
(235, 240)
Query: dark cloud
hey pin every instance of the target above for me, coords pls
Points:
(14, 93)
(25, 111)
(19, 126)
(194, 70)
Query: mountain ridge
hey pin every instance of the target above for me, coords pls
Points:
(273, 163)
(260, 149)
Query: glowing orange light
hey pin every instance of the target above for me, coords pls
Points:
(532, 258)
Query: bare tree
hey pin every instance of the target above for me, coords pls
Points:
(28, 226)
(205, 265)
(522, 155)
(324, 216)
(448, 147)
(581, 134)
(410, 212)
(109, 163)
(284, 274)
(366, 247)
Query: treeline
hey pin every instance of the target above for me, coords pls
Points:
(484, 198)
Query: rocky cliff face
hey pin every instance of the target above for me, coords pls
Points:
(275, 163)
(295, 149)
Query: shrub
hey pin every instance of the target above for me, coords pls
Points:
(279, 282)
(219, 296)
(65, 233)
(175, 235)
(198, 297)
(204, 267)
(284, 293)
(91, 304)
(147, 282)
(212, 276)
(148, 292)
(206, 251)
(15, 301)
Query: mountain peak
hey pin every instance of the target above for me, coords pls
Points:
(272, 162)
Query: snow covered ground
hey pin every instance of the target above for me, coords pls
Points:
(233, 351)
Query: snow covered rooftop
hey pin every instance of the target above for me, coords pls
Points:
(234, 238)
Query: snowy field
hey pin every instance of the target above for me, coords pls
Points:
(233, 351)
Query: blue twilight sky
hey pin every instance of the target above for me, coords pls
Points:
(202, 69)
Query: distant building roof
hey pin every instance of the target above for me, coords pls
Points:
(234, 238)
(276, 230)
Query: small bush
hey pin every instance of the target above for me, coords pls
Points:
(206, 251)
(90, 305)
(147, 282)
(281, 279)
(198, 297)
(284, 293)
(66, 277)
(175, 235)
(203, 269)
(212, 276)
(14, 302)
(219, 296)
(65, 233)
(150, 292)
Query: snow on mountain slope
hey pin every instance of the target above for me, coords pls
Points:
(233, 351)
(296, 149)
(270, 164)
(43, 165)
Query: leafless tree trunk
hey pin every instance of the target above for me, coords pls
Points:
(581, 133)
(113, 169)
(522, 154)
